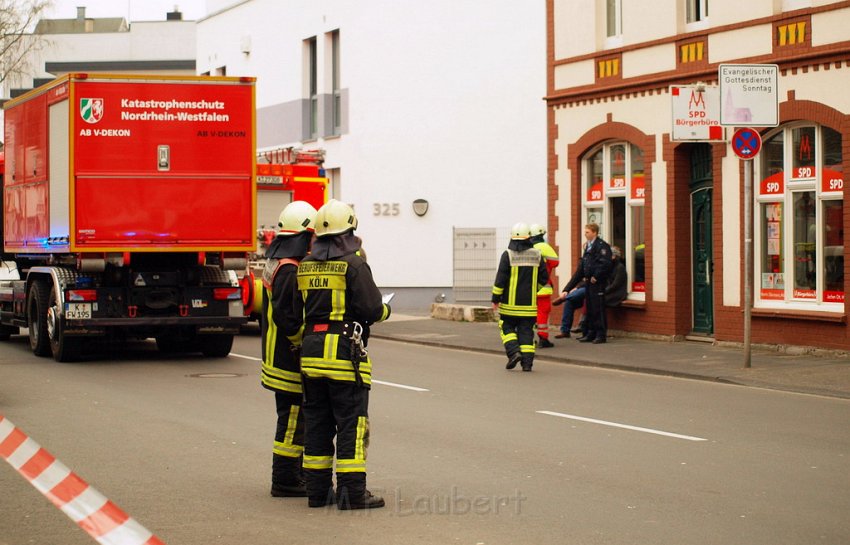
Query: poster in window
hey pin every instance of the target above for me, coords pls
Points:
(833, 297)
(638, 188)
(772, 287)
(773, 246)
(773, 230)
(832, 181)
(773, 212)
(594, 194)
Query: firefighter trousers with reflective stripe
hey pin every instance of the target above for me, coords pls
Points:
(288, 439)
(518, 336)
(544, 307)
(335, 408)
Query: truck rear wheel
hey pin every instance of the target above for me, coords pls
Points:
(64, 348)
(215, 346)
(37, 318)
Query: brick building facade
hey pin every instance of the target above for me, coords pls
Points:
(676, 208)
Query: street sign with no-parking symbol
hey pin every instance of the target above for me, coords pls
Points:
(746, 143)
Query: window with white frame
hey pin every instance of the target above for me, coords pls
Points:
(336, 110)
(613, 18)
(614, 192)
(800, 210)
(697, 10)
(312, 87)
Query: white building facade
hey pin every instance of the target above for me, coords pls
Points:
(426, 100)
(676, 208)
(84, 44)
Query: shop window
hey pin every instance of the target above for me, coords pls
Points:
(614, 194)
(800, 210)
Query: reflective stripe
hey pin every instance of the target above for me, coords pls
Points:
(518, 310)
(291, 424)
(290, 451)
(331, 346)
(545, 290)
(498, 291)
(353, 465)
(328, 281)
(361, 442)
(288, 448)
(385, 314)
(512, 287)
(282, 374)
(282, 385)
(271, 332)
(526, 348)
(318, 462)
(297, 336)
(337, 305)
(347, 376)
(534, 287)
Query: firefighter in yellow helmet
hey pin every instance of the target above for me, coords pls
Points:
(340, 301)
(281, 327)
(520, 276)
(544, 296)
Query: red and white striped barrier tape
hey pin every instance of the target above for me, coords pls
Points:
(91, 510)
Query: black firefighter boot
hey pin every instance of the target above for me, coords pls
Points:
(287, 477)
(513, 360)
(320, 488)
(352, 494)
(527, 362)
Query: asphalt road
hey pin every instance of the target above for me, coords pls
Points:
(464, 452)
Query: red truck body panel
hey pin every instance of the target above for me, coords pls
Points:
(131, 163)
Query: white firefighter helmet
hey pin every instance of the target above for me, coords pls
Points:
(334, 218)
(537, 230)
(520, 231)
(297, 217)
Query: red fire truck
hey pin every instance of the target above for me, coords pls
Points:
(129, 207)
(284, 175)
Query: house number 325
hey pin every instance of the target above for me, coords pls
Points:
(385, 209)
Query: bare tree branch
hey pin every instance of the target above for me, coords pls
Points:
(17, 40)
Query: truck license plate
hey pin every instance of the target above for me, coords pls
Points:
(77, 311)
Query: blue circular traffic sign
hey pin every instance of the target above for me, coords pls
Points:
(746, 143)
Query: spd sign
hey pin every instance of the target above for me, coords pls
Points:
(696, 113)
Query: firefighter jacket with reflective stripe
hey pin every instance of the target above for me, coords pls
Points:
(281, 326)
(550, 257)
(520, 276)
(334, 292)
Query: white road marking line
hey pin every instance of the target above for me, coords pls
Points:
(381, 382)
(394, 385)
(245, 357)
(624, 426)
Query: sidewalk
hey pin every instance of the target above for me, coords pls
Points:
(688, 359)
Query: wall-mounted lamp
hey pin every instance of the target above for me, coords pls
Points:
(420, 207)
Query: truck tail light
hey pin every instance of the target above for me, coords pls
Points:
(81, 295)
(223, 294)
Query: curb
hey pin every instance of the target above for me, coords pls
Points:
(626, 368)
